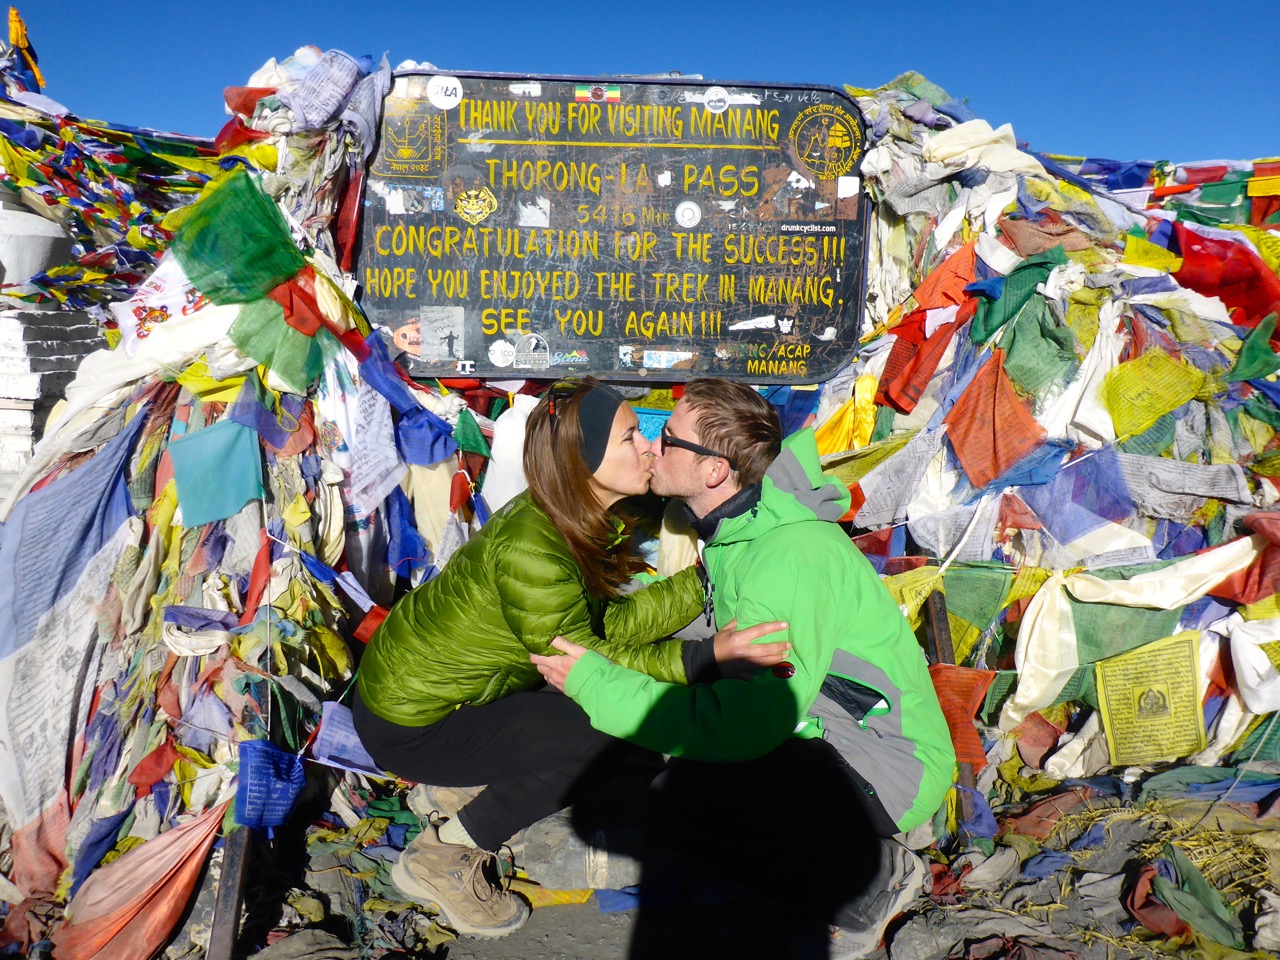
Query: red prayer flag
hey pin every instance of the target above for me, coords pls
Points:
(961, 691)
(945, 285)
(990, 428)
(1231, 272)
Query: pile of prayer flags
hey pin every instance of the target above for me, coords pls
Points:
(1062, 415)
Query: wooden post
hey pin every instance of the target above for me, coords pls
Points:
(226, 910)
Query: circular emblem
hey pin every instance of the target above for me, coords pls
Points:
(826, 140)
(444, 92)
(475, 204)
(502, 353)
(716, 100)
(688, 214)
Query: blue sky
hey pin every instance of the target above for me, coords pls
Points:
(1125, 80)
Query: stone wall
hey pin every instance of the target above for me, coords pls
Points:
(40, 347)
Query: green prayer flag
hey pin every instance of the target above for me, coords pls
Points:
(884, 423)
(997, 693)
(260, 332)
(1257, 359)
(1153, 441)
(1019, 286)
(1202, 907)
(1105, 629)
(977, 594)
(234, 244)
(467, 434)
(1038, 352)
(1082, 686)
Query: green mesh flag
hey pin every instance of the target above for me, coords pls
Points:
(234, 244)
(1153, 441)
(1038, 352)
(1257, 359)
(260, 332)
(1019, 286)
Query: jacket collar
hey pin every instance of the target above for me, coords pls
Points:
(742, 501)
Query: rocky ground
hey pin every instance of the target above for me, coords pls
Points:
(552, 933)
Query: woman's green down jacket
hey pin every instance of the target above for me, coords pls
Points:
(466, 636)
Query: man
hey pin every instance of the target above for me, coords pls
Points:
(851, 715)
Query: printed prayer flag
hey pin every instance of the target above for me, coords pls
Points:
(1141, 391)
(990, 428)
(1150, 701)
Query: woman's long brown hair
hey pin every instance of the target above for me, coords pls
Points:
(560, 484)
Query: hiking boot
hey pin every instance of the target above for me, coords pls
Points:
(862, 923)
(426, 799)
(461, 883)
(555, 856)
(435, 804)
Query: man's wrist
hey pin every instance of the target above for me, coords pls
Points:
(589, 664)
(700, 664)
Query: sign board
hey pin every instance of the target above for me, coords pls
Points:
(521, 227)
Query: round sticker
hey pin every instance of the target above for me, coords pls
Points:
(444, 92)
(502, 353)
(716, 100)
(688, 214)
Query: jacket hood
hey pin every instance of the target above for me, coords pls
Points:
(794, 490)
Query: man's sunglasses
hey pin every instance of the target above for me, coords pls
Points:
(665, 439)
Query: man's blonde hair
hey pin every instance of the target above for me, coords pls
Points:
(734, 420)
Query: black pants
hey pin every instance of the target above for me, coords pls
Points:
(796, 832)
(536, 750)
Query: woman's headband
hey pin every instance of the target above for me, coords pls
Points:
(596, 410)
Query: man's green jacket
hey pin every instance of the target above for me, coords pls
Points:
(860, 679)
(466, 636)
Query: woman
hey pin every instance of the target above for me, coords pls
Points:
(444, 694)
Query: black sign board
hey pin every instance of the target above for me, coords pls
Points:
(633, 228)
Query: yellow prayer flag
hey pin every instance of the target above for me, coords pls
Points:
(196, 378)
(1141, 391)
(296, 513)
(1141, 252)
(1149, 699)
(331, 651)
(19, 41)
(1264, 187)
(851, 426)
(1026, 581)
(1264, 609)
(964, 635)
(911, 589)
